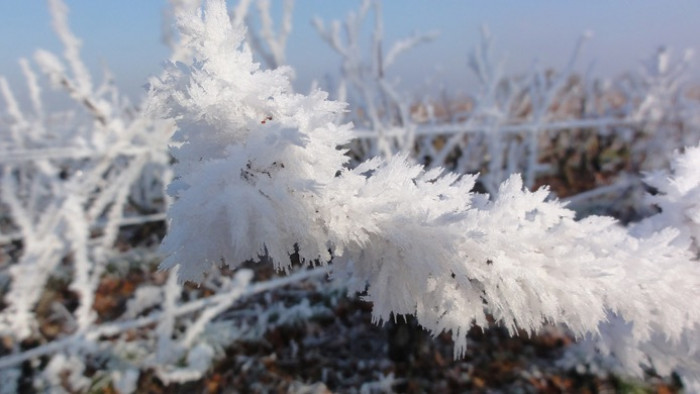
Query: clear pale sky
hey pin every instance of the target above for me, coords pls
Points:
(126, 35)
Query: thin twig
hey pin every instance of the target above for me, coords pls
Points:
(110, 329)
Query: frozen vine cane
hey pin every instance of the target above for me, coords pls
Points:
(420, 243)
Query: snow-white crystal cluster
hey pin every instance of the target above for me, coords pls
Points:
(260, 175)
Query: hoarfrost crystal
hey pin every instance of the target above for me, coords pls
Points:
(260, 174)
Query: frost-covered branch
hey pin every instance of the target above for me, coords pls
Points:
(268, 44)
(259, 168)
(64, 175)
(70, 181)
(71, 45)
(259, 175)
(381, 107)
(664, 349)
(116, 328)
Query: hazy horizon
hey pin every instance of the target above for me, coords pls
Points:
(126, 36)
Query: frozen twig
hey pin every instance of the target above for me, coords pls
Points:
(111, 329)
(268, 44)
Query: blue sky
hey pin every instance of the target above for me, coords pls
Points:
(126, 35)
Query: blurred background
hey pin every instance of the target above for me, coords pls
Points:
(585, 97)
(128, 36)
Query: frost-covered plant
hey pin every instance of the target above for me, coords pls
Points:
(678, 198)
(260, 175)
(268, 44)
(68, 182)
(657, 99)
(677, 195)
(59, 186)
(366, 82)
